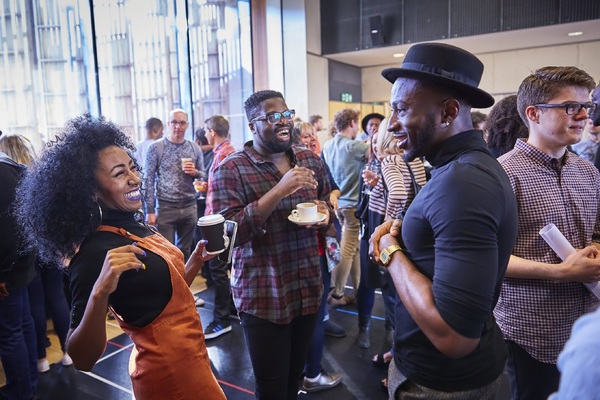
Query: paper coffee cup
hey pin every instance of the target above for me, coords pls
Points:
(305, 212)
(212, 229)
(185, 160)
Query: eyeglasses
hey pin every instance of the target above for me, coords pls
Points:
(275, 117)
(180, 123)
(571, 108)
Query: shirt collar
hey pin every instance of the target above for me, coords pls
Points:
(542, 158)
(450, 148)
(221, 145)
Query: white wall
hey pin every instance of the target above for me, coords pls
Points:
(295, 69)
(503, 71)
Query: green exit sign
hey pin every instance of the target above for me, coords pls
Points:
(346, 97)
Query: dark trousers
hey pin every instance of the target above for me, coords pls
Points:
(223, 300)
(277, 353)
(366, 295)
(315, 351)
(47, 289)
(18, 346)
(529, 378)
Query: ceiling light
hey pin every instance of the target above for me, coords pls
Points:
(398, 55)
(578, 33)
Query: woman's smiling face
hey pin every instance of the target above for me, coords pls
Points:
(118, 180)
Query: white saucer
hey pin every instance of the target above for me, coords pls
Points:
(320, 218)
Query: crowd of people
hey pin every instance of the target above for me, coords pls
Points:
(438, 206)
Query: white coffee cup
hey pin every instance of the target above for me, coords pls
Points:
(305, 212)
(184, 161)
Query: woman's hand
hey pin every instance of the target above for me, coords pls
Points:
(116, 262)
(323, 208)
(200, 255)
(194, 263)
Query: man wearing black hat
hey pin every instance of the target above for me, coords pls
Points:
(449, 255)
(370, 124)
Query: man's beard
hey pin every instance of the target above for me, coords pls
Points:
(423, 139)
(275, 146)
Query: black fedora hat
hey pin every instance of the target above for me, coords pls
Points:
(365, 120)
(447, 65)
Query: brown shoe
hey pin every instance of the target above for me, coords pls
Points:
(344, 300)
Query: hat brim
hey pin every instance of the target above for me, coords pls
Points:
(365, 120)
(475, 96)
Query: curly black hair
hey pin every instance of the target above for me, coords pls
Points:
(56, 201)
(504, 126)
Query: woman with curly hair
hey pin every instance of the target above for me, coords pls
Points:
(504, 126)
(78, 207)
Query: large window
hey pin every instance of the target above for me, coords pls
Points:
(128, 60)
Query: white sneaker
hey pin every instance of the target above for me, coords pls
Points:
(43, 366)
(66, 360)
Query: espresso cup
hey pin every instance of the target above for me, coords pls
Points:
(212, 229)
(305, 212)
(184, 161)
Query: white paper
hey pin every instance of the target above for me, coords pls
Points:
(561, 246)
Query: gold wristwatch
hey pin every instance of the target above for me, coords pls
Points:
(386, 254)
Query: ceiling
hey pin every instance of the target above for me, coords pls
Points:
(494, 42)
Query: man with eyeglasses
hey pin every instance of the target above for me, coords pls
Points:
(276, 275)
(541, 297)
(171, 166)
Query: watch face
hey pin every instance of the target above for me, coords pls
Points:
(385, 258)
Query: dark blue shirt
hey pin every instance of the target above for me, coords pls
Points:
(459, 232)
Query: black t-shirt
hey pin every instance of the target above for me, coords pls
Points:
(459, 231)
(140, 295)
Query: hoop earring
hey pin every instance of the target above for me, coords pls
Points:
(100, 212)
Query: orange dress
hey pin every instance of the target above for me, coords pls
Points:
(171, 361)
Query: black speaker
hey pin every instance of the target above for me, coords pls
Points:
(376, 27)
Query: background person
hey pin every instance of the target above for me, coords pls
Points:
(17, 333)
(346, 158)
(217, 132)
(504, 126)
(154, 131)
(169, 195)
(46, 290)
(87, 184)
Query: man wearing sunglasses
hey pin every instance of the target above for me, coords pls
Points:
(276, 275)
(541, 297)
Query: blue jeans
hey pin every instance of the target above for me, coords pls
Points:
(177, 224)
(529, 378)
(277, 353)
(315, 351)
(18, 346)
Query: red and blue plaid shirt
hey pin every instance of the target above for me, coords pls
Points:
(276, 274)
(220, 153)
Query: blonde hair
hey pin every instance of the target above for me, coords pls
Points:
(18, 148)
(387, 144)
(297, 130)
